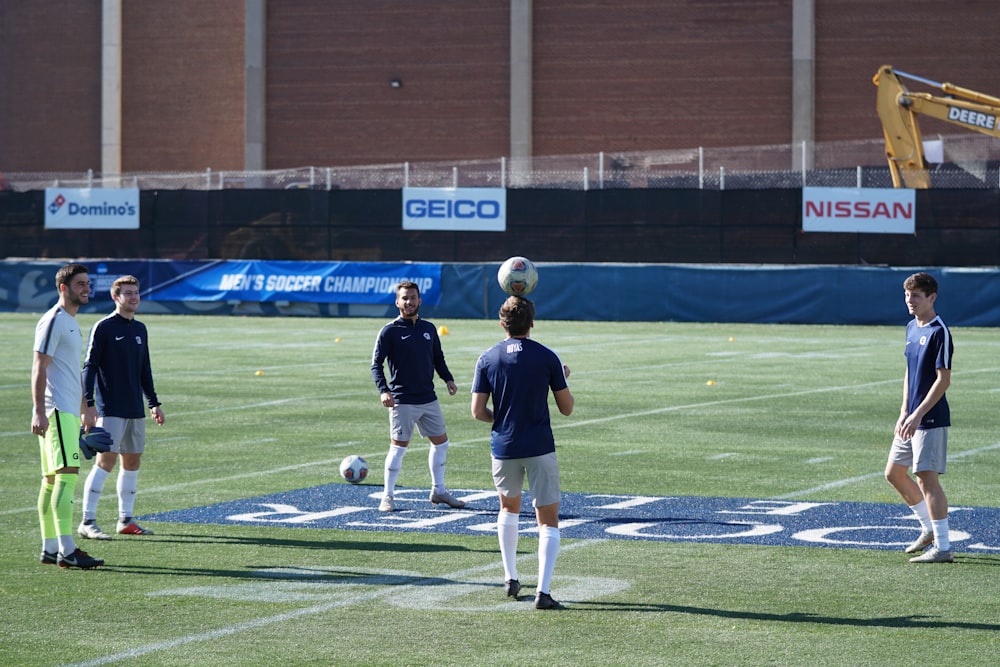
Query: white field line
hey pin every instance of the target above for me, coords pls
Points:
(862, 478)
(387, 591)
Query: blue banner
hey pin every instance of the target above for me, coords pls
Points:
(303, 282)
(699, 293)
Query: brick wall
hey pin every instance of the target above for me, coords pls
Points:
(329, 70)
(182, 85)
(50, 85)
(624, 76)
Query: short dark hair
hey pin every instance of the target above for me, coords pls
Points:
(517, 314)
(64, 276)
(921, 282)
(407, 284)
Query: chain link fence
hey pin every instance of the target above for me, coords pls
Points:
(968, 162)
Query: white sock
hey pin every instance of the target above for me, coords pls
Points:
(435, 461)
(941, 540)
(920, 509)
(393, 466)
(67, 544)
(128, 481)
(548, 551)
(92, 490)
(507, 535)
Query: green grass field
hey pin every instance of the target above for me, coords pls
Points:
(801, 412)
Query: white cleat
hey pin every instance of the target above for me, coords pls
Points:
(92, 531)
(445, 498)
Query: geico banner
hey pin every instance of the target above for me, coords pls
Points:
(297, 282)
(870, 210)
(91, 208)
(455, 209)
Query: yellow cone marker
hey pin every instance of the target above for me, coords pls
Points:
(442, 330)
(710, 383)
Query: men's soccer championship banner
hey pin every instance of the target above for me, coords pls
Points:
(253, 281)
(91, 208)
(301, 282)
(865, 210)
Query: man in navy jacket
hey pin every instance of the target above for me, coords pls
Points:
(117, 366)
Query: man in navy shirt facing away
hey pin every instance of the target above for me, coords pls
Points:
(518, 373)
(117, 364)
(921, 435)
(413, 349)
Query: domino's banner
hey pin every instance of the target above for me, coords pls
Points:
(305, 282)
(866, 210)
(91, 208)
(455, 209)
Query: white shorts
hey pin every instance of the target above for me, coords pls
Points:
(129, 434)
(926, 450)
(428, 418)
(543, 478)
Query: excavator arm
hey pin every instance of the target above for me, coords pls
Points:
(898, 109)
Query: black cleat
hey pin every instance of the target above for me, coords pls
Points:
(49, 557)
(511, 588)
(545, 601)
(80, 560)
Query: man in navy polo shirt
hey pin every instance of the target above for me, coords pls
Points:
(921, 432)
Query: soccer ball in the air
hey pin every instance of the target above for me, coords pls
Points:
(354, 469)
(517, 276)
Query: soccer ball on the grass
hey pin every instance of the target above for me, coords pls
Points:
(354, 469)
(517, 276)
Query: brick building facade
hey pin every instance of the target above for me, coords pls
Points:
(628, 75)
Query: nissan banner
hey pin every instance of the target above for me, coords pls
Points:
(867, 210)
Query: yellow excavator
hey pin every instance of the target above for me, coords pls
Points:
(898, 109)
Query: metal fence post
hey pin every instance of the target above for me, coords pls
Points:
(701, 168)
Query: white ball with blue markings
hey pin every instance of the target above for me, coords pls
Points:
(354, 469)
(517, 276)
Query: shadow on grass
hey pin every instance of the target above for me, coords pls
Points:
(915, 622)
(310, 576)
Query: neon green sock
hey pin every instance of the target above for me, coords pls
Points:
(45, 515)
(62, 502)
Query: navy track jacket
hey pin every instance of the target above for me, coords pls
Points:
(118, 364)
